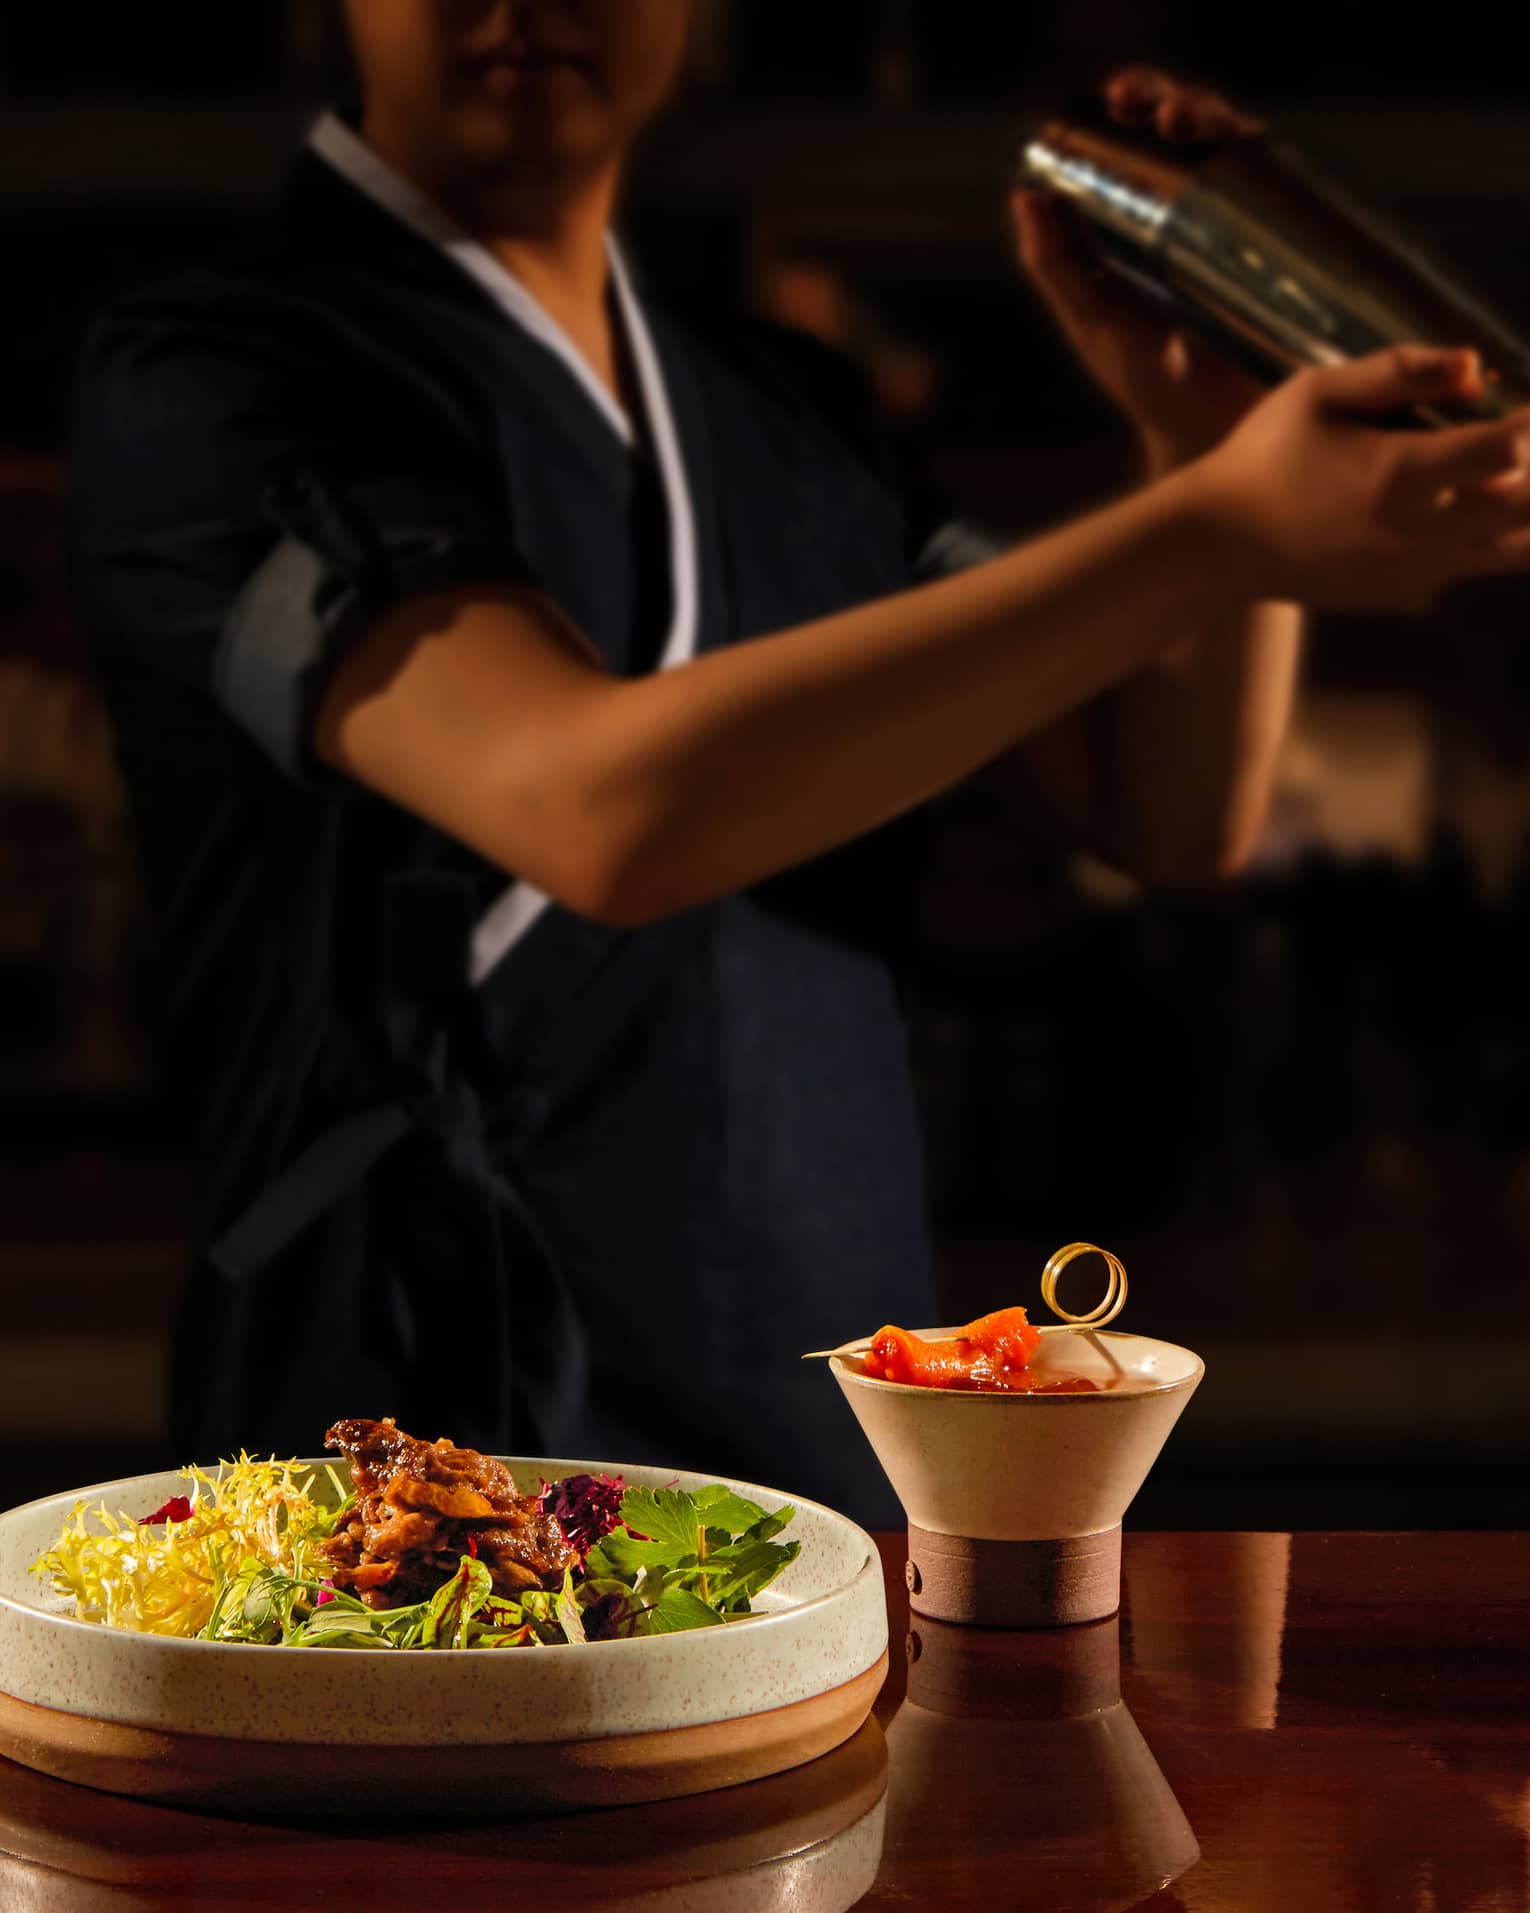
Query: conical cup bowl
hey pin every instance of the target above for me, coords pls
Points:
(1014, 1501)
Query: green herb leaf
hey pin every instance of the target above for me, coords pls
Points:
(677, 1610)
(713, 1546)
(734, 1574)
(664, 1515)
(719, 1507)
(620, 1554)
(770, 1524)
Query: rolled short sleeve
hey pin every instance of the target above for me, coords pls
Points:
(243, 507)
(346, 554)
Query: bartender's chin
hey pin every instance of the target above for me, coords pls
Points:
(532, 138)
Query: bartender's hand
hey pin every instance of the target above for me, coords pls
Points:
(1181, 395)
(1333, 512)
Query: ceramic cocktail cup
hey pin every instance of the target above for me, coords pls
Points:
(1014, 1502)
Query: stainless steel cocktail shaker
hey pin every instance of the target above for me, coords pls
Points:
(1245, 241)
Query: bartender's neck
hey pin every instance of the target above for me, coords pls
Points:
(550, 231)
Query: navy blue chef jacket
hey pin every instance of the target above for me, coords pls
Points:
(586, 1191)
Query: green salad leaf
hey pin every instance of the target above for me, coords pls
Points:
(687, 1560)
(665, 1515)
(677, 1609)
(452, 1607)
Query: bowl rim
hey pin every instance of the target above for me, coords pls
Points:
(846, 1375)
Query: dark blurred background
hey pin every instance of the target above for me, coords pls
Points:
(1298, 1106)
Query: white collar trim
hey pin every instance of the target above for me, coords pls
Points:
(367, 170)
(513, 915)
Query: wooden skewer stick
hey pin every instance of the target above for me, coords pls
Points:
(1105, 1310)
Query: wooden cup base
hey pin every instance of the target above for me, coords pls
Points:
(980, 1583)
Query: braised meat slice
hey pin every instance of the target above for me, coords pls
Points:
(417, 1504)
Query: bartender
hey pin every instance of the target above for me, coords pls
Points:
(528, 693)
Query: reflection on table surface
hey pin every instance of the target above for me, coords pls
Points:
(1330, 1722)
(1021, 1750)
(810, 1838)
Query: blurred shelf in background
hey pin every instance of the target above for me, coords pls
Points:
(1414, 155)
(92, 1260)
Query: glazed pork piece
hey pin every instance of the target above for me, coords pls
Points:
(417, 1504)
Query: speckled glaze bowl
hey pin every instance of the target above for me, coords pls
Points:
(203, 1723)
(1014, 1502)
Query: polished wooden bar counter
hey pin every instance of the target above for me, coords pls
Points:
(1306, 1723)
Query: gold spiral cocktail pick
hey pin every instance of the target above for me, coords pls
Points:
(1105, 1310)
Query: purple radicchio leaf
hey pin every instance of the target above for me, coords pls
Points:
(587, 1507)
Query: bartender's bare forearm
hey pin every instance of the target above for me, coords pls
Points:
(630, 799)
(1169, 774)
(1198, 736)
(1199, 733)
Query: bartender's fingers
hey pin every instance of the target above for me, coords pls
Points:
(1180, 108)
(1463, 456)
(1399, 376)
(1510, 552)
(1483, 512)
(1060, 263)
(1137, 94)
(1199, 115)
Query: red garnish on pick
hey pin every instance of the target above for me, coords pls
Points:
(177, 1508)
(991, 1353)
